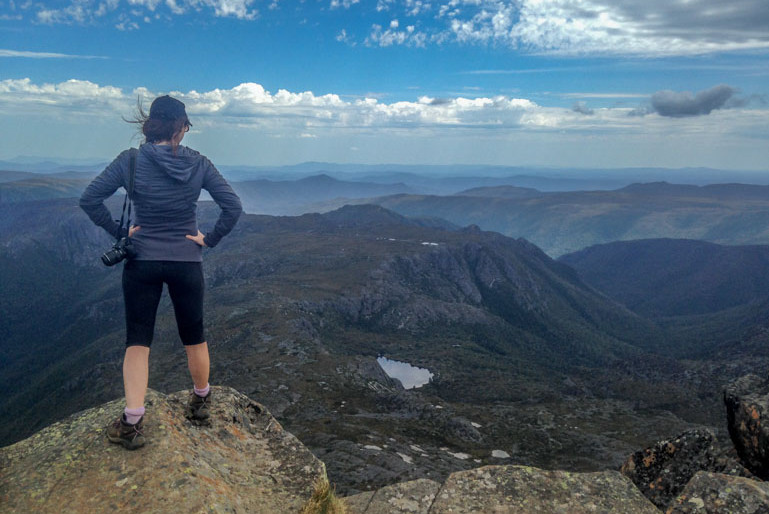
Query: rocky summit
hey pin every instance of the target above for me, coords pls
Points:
(243, 461)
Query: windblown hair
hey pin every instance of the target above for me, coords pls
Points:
(156, 129)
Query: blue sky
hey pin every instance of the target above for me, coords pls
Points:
(578, 83)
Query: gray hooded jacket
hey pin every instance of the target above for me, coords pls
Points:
(166, 191)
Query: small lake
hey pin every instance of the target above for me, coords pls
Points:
(410, 376)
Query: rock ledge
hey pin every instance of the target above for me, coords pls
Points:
(242, 462)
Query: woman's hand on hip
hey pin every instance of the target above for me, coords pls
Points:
(198, 238)
(133, 229)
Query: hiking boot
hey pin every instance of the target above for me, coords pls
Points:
(130, 436)
(197, 409)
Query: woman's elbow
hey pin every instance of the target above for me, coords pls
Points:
(237, 208)
(86, 203)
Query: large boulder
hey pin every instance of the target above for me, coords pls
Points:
(414, 497)
(714, 493)
(242, 462)
(662, 471)
(747, 405)
(507, 490)
(522, 489)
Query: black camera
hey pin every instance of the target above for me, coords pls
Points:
(122, 249)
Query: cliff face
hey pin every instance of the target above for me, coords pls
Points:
(242, 462)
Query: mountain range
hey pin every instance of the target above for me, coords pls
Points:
(299, 308)
(565, 222)
(292, 197)
(710, 296)
(533, 358)
(558, 222)
(660, 278)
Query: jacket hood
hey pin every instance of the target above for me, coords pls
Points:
(179, 167)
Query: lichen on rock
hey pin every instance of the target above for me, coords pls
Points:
(523, 489)
(243, 461)
(747, 406)
(715, 492)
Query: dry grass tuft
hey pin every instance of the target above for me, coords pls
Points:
(323, 500)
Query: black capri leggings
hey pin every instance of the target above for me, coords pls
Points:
(142, 287)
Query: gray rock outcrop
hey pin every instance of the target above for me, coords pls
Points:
(414, 497)
(662, 471)
(714, 493)
(522, 489)
(508, 490)
(242, 462)
(747, 411)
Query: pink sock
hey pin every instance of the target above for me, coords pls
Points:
(202, 392)
(132, 416)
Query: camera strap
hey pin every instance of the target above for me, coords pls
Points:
(129, 195)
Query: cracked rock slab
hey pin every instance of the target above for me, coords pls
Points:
(523, 489)
(413, 497)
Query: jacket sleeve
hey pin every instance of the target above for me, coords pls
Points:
(226, 199)
(101, 188)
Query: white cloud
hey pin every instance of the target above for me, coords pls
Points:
(346, 4)
(491, 23)
(572, 27)
(51, 16)
(248, 122)
(621, 27)
(76, 96)
(249, 104)
(175, 7)
(149, 4)
(229, 8)
(126, 24)
(344, 37)
(44, 55)
(393, 36)
(417, 7)
(477, 125)
(652, 27)
(92, 11)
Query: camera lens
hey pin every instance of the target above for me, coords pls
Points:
(113, 256)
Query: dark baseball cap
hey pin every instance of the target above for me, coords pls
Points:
(167, 108)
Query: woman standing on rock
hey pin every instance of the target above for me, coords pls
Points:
(168, 250)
